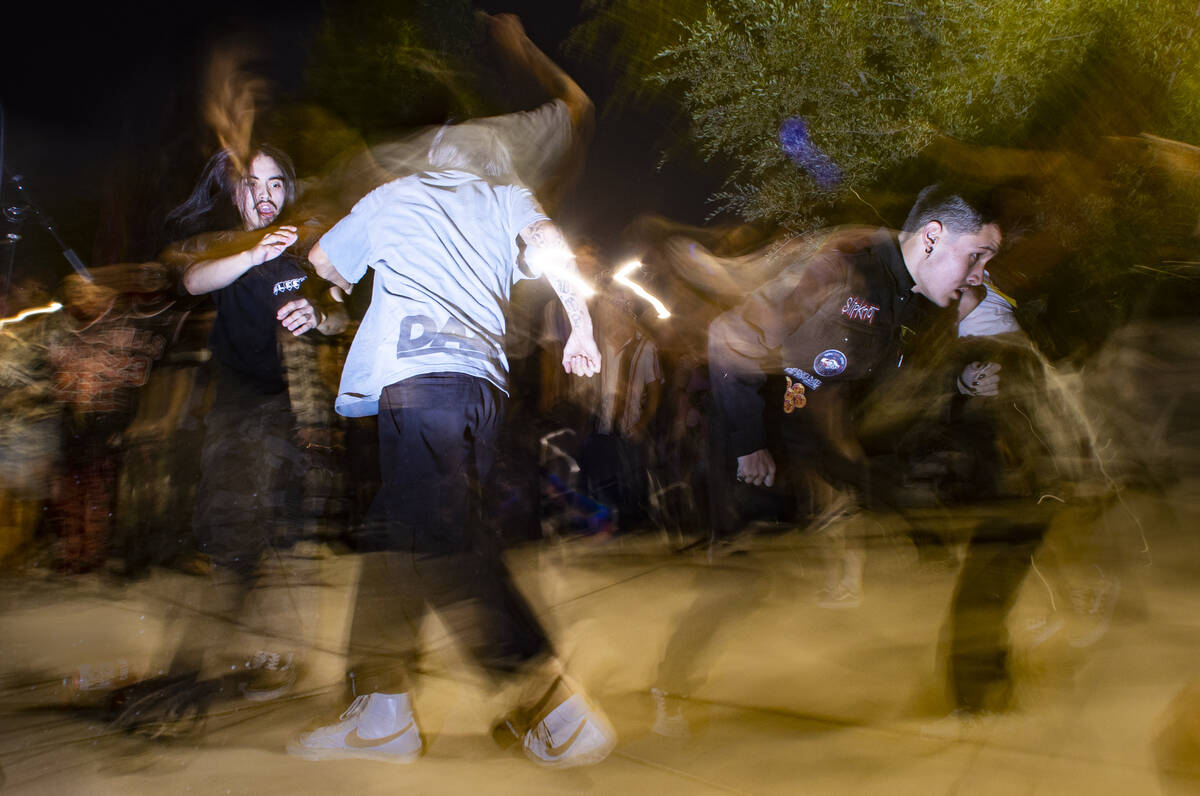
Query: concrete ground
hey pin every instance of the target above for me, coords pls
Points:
(783, 696)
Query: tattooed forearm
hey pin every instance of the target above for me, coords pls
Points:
(577, 312)
(546, 249)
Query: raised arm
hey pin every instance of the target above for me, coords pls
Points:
(510, 36)
(547, 250)
(205, 276)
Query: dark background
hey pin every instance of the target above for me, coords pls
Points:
(102, 119)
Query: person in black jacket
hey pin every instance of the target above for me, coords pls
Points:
(785, 365)
(799, 348)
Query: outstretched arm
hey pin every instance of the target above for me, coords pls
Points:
(205, 276)
(327, 315)
(547, 250)
(324, 268)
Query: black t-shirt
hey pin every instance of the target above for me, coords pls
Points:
(244, 336)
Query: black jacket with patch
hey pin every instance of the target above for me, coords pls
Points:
(833, 317)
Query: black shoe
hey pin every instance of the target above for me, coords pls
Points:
(163, 708)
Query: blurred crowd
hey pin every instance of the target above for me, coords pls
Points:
(700, 396)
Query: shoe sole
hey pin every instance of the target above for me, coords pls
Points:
(571, 759)
(1102, 625)
(597, 755)
(840, 605)
(671, 730)
(267, 695)
(318, 755)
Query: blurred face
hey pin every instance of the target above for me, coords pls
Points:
(952, 262)
(261, 197)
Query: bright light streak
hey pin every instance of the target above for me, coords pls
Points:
(53, 306)
(554, 262)
(620, 276)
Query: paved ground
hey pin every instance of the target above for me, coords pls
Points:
(785, 697)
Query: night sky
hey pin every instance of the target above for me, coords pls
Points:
(101, 117)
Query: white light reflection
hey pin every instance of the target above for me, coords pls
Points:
(553, 262)
(621, 277)
(53, 306)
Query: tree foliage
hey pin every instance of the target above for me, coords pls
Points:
(387, 64)
(877, 82)
(630, 35)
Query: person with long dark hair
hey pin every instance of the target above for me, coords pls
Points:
(208, 207)
(248, 499)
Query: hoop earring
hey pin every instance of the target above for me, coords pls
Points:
(928, 250)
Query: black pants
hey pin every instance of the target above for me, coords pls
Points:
(248, 501)
(805, 463)
(246, 515)
(614, 472)
(432, 548)
(999, 556)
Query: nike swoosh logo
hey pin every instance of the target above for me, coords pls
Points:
(355, 741)
(555, 751)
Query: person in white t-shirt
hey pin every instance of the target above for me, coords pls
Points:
(446, 246)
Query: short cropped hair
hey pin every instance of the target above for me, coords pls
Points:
(958, 210)
(472, 148)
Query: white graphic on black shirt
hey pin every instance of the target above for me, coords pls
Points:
(288, 285)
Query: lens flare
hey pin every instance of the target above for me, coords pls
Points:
(554, 261)
(53, 306)
(622, 277)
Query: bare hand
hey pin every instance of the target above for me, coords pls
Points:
(980, 379)
(298, 316)
(757, 468)
(506, 29)
(580, 355)
(273, 244)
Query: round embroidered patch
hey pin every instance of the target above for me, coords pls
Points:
(829, 363)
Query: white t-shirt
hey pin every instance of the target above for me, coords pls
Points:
(444, 249)
(538, 142)
(994, 315)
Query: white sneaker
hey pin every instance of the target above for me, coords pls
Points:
(1041, 629)
(374, 727)
(1094, 606)
(576, 733)
(669, 720)
(959, 725)
(839, 598)
(271, 675)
